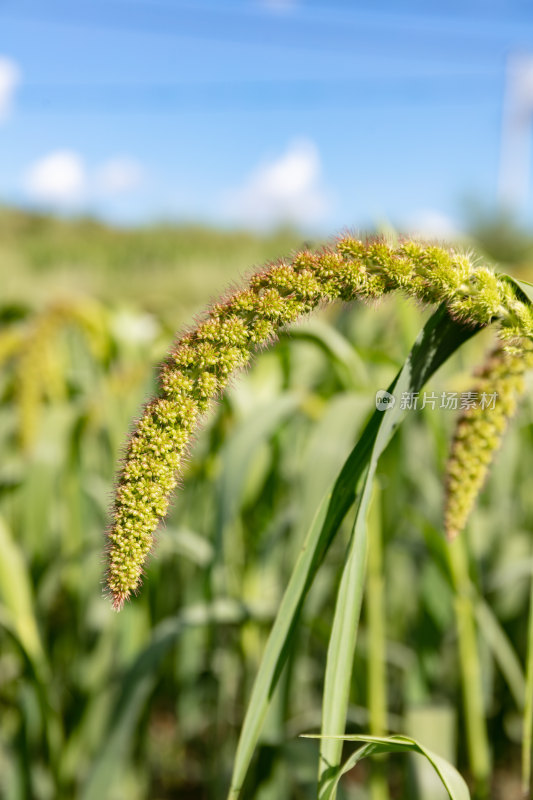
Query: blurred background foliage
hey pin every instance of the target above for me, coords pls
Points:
(149, 703)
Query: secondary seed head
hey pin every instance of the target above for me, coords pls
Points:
(480, 431)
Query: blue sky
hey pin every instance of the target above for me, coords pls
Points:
(247, 112)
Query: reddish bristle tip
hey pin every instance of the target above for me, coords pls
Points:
(118, 602)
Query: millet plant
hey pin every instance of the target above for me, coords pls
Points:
(469, 297)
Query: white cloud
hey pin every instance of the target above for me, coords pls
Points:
(430, 224)
(287, 189)
(118, 176)
(62, 178)
(59, 177)
(9, 79)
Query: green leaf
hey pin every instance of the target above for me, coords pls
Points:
(351, 366)
(424, 358)
(527, 721)
(524, 287)
(138, 682)
(502, 650)
(440, 337)
(16, 595)
(18, 618)
(239, 450)
(341, 647)
(375, 745)
(329, 444)
(488, 623)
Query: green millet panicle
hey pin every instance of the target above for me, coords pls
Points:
(199, 367)
(480, 430)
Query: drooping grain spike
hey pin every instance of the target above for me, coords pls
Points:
(199, 367)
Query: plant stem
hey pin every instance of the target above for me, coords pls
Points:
(375, 615)
(341, 647)
(476, 728)
(528, 707)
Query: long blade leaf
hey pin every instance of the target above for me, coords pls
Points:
(451, 779)
(440, 337)
(421, 362)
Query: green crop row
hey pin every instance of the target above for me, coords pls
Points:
(151, 702)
